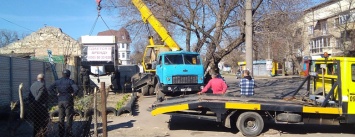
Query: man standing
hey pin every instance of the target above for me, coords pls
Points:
(115, 81)
(67, 89)
(85, 80)
(38, 98)
(217, 85)
(247, 84)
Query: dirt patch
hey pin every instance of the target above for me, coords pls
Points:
(114, 99)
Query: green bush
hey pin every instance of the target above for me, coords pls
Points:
(122, 101)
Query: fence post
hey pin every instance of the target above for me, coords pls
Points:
(11, 79)
(29, 73)
(103, 109)
(95, 112)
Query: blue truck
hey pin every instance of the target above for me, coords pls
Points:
(167, 69)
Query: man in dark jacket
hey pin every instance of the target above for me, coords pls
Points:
(67, 89)
(38, 97)
(85, 80)
(115, 81)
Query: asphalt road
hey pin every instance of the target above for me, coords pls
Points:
(142, 124)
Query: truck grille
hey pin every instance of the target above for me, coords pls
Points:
(185, 80)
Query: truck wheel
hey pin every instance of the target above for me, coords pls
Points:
(151, 90)
(160, 95)
(144, 90)
(250, 123)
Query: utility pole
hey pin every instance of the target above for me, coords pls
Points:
(249, 35)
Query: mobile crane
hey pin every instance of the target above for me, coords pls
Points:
(336, 106)
(167, 69)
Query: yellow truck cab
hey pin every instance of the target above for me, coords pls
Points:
(327, 69)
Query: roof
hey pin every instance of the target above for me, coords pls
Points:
(122, 35)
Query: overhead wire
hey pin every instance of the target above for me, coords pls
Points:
(17, 24)
(92, 28)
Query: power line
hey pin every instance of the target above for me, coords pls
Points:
(17, 24)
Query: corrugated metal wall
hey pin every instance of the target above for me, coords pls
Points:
(14, 71)
(20, 74)
(5, 87)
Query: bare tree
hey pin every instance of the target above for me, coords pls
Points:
(7, 37)
(278, 30)
(217, 26)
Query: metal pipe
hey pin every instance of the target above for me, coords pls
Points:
(331, 92)
(103, 109)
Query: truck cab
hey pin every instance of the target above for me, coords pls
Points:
(339, 71)
(179, 71)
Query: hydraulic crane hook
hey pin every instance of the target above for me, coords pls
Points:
(98, 6)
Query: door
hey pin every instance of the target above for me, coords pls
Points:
(351, 91)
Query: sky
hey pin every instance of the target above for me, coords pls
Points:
(75, 17)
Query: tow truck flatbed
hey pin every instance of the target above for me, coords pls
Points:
(225, 102)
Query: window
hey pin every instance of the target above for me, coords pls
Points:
(128, 55)
(353, 72)
(191, 59)
(173, 59)
(122, 46)
(123, 55)
(343, 19)
(332, 69)
(323, 25)
(310, 30)
(160, 60)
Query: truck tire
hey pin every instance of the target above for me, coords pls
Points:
(250, 123)
(144, 90)
(289, 117)
(151, 90)
(160, 95)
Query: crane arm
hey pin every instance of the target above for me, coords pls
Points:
(148, 17)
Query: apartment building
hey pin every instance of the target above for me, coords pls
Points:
(329, 27)
(122, 48)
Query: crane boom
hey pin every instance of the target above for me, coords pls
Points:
(148, 17)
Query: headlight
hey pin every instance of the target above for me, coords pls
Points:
(201, 87)
(169, 88)
(168, 78)
(201, 78)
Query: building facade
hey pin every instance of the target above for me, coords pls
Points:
(328, 27)
(122, 49)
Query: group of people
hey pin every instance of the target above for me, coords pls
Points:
(65, 89)
(218, 85)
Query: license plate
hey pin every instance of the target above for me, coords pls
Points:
(186, 89)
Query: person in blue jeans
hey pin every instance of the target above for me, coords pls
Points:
(247, 84)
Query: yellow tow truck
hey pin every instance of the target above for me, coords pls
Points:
(335, 106)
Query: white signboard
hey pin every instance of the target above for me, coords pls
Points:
(99, 54)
